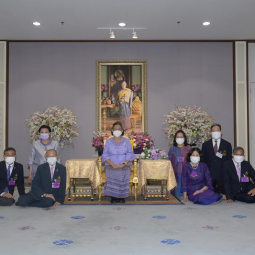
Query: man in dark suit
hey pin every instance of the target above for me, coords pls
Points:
(11, 175)
(215, 152)
(237, 178)
(49, 184)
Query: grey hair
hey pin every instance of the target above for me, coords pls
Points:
(238, 148)
(216, 125)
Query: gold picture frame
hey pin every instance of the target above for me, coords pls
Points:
(121, 94)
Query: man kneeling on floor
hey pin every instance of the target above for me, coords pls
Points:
(238, 177)
(48, 186)
(11, 175)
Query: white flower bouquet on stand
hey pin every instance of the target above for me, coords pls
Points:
(61, 121)
(195, 122)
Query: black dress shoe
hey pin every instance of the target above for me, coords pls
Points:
(121, 200)
(16, 204)
(113, 200)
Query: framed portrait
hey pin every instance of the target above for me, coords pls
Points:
(122, 95)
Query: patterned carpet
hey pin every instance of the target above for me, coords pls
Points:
(128, 229)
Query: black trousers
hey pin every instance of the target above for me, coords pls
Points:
(218, 186)
(244, 197)
(28, 200)
(5, 201)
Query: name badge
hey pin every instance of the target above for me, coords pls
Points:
(193, 174)
(11, 183)
(245, 179)
(55, 185)
(219, 155)
(180, 159)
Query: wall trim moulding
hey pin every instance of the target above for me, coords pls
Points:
(241, 120)
(3, 48)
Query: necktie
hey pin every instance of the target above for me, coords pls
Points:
(52, 171)
(215, 147)
(6, 190)
(238, 170)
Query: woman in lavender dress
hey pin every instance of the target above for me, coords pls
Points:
(117, 156)
(178, 155)
(38, 150)
(196, 181)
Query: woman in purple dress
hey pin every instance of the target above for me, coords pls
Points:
(178, 155)
(196, 181)
(117, 156)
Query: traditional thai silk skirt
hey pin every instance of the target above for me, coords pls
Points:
(117, 181)
(206, 198)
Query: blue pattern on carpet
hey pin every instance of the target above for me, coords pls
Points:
(239, 216)
(159, 217)
(209, 227)
(63, 242)
(170, 241)
(118, 228)
(1, 217)
(26, 228)
(77, 217)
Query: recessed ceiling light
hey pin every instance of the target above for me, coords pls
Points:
(122, 24)
(206, 23)
(36, 23)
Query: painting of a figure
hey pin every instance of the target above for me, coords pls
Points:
(121, 95)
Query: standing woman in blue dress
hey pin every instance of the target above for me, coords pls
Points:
(38, 151)
(196, 181)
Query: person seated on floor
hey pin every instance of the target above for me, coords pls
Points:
(11, 175)
(196, 180)
(117, 156)
(49, 184)
(237, 178)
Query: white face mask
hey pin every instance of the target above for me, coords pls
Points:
(216, 135)
(52, 160)
(179, 141)
(194, 159)
(117, 133)
(9, 160)
(238, 158)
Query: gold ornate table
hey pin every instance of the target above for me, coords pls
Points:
(104, 122)
(156, 170)
(82, 169)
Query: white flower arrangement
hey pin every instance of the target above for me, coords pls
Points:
(61, 121)
(153, 154)
(195, 122)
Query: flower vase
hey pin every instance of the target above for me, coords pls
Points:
(100, 152)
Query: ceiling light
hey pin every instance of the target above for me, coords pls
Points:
(206, 23)
(36, 23)
(122, 24)
(112, 36)
(134, 35)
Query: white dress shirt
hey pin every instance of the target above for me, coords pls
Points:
(7, 165)
(218, 142)
(54, 167)
(236, 165)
